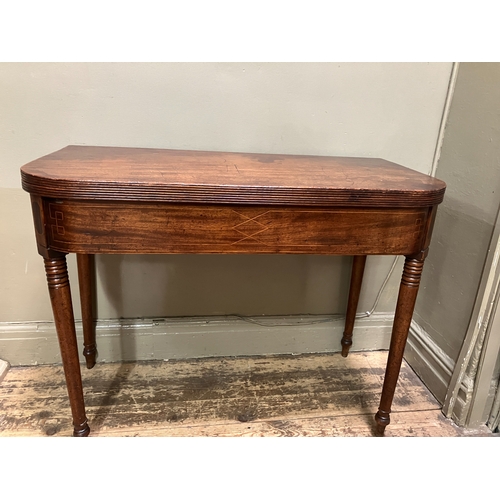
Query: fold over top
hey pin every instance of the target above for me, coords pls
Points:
(162, 175)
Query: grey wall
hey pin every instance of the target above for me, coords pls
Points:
(389, 110)
(469, 164)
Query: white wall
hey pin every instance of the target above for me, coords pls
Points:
(387, 110)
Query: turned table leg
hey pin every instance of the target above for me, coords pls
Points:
(86, 272)
(358, 268)
(60, 297)
(408, 290)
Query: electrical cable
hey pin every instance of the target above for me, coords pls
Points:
(377, 299)
(331, 318)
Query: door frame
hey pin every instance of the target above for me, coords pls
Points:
(476, 369)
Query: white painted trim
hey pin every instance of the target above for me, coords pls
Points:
(444, 117)
(4, 368)
(34, 343)
(478, 328)
(435, 368)
(486, 384)
(428, 360)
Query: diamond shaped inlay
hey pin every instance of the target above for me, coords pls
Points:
(250, 227)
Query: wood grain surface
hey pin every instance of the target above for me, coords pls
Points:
(119, 227)
(107, 173)
(306, 395)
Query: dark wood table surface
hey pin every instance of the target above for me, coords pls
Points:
(92, 200)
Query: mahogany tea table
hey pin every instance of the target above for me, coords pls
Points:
(104, 200)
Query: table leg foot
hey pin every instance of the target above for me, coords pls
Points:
(90, 353)
(346, 345)
(382, 420)
(82, 430)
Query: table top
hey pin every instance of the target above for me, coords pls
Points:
(176, 176)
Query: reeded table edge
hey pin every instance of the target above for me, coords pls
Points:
(243, 195)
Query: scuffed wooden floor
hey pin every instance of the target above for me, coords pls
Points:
(306, 395)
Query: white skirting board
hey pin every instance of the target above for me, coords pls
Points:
(435, 367)
(4, 368)
(33, 343)
(182, 338)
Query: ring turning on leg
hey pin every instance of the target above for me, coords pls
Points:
(408, 290)
(60, 298)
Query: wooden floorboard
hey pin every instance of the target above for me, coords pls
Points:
(305, 395)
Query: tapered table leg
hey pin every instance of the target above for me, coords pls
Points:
(358, 268)
(60, 297)
(86, 271)
(408, 290)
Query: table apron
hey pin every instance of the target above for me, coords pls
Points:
(134, 227)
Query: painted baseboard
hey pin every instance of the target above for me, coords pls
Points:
(4, 368)
(435, 368)
(33, 343)
(177, 338)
